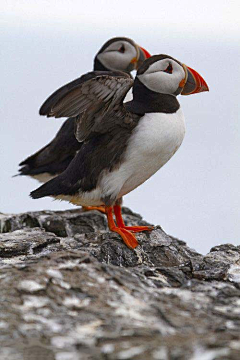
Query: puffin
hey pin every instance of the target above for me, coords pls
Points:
(119, 53)
(123, 144)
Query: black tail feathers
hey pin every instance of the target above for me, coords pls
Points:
(52, 187)
(37, 194)
(47, 189)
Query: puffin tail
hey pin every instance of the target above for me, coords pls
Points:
(38, 193)
(47, 189)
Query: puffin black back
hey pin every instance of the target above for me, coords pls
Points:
(100, 152)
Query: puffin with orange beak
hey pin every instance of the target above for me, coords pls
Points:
(123, 144)
(194, 82)
(119, 53)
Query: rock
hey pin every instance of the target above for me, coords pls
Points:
(72, 290)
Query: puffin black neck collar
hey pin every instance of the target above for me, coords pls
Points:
(98, 66)
(148, 101)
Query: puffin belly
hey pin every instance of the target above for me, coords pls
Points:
(88, 198)
(154, 141)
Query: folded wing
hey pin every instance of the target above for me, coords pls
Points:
(103, 124)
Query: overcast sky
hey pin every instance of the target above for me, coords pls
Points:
(45, 44)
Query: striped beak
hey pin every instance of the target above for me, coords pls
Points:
(143, 55)
(194, 82)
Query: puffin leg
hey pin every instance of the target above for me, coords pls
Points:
(128, 238)
(120, 222)
(98, 208)
(118, 215)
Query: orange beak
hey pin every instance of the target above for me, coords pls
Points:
(195, 82)
(145, 52)
(143, 55)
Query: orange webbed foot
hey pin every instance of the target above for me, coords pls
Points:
(137, 229)
(98, 208)
(120, 223)
(128, 238)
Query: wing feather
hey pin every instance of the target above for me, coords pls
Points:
(101, 88)
(69, 89)
(90, 101)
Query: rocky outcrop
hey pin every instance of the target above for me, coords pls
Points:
(71, 290)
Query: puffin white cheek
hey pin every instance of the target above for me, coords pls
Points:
(178, 75)
(160, 82)
(114, 60)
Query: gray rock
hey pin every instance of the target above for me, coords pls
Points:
(70, 290)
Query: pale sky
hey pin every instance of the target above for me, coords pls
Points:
(202, 17)
(45, 44)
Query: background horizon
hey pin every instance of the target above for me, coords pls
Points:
(195, 196)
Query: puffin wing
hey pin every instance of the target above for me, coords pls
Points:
(105, 93)
(102, 151)
(52, 100)
(58, 104)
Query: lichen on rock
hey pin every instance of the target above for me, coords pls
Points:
(70, 289)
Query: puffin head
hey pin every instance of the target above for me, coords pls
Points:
(166, 75)
(120, 53)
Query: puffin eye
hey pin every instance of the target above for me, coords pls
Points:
(169, 69)
(121, 49)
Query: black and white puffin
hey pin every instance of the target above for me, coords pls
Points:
(119, 53)
(124, 144)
